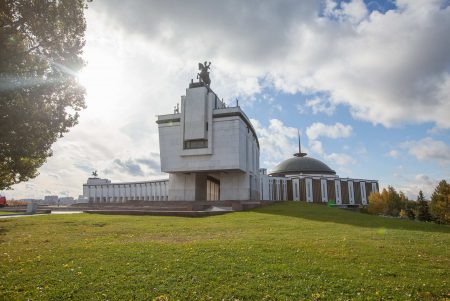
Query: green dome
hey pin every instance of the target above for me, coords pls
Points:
(301, 165)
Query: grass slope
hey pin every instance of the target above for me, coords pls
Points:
(289, 251)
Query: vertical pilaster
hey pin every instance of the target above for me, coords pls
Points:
(324, 190)
(374, 187)
(363, 193)
(309, 190)
(351, 193)
(337, 187)
(296, 189)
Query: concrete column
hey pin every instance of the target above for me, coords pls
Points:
(127, 190)
(362, 185)
(351, 193)
(337, 187)
(153, 187)
(146, 194)
(111, 192)
(91, 194)
(277, 183)
(324, 190)
(374, 187)
(309, 190)
(99, 193)
(133, 191)
(296, 189)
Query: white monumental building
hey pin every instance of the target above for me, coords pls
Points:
(211, 153)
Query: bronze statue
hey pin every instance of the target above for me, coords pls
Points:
(94, 174)
(204, 73)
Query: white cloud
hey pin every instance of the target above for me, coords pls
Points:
(320, 105)
(337, 130)
(353, 11)
(393, 153)
(412, 186)
(390, 68)
(341, 159)
(316, 146)
(428, 149)
(277, 142)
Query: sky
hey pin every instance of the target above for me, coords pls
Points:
(367, 84)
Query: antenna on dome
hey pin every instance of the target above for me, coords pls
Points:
(299, 154)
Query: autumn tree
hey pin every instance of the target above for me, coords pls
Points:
(440, 203)
(422, 210)
(388, 202)
(377, 202)
(41, 44)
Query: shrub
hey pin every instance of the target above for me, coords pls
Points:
(403, 213)
(411, 214)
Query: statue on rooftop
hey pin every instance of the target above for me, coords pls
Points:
(94, 174)
(204, 73)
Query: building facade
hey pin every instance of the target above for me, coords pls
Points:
(98, 190)
(211, 153)
(303, 178)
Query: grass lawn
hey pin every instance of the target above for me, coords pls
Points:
(9, 212)
(289, 251)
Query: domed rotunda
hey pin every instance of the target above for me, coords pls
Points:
(302, 178)
(300, 164)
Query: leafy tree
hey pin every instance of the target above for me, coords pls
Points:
(377, 202)
(41, 44)
(422, 211)
(388, 202)
(394, 202)
(440, 203)
(409, 207)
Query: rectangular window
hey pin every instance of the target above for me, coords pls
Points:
(193, 144)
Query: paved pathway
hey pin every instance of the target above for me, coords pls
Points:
(24, 215)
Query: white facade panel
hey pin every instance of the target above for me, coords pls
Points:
(194, 111)
(337, 187)
(374, 187)
(351, 193)
(309, 190)
(324, 190)
(296, 189)
(362, 186)
(121, 192)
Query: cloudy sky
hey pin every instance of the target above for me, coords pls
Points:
(367, 83)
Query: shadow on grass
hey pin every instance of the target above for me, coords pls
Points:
(322, 213)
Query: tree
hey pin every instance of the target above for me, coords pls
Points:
(41, 44)
(440, 203)
(422, 211)
(388, 202)
(377, 202)
(394, 202)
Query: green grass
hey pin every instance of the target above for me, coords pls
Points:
(9, 212)
(290, 251)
